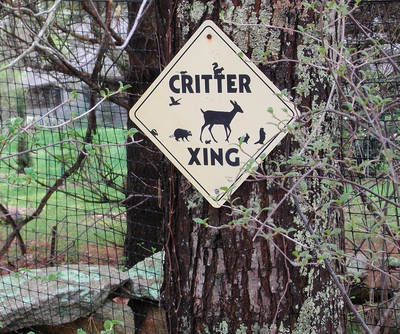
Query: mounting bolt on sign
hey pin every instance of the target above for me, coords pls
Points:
(208, 99)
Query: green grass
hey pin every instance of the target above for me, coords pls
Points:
(75, 208)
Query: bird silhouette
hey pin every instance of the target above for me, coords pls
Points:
(174, 102)
(262, 137)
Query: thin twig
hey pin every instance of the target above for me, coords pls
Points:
(38, 38)
(135, 24)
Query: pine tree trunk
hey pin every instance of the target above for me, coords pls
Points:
(223, 280)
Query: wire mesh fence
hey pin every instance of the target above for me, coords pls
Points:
(64, 203)
(372, 213)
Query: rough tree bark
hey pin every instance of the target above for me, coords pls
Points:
(221, 280)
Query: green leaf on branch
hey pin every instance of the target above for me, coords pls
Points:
(123, 87)
(130, 132)
(336, 231)
(201, 221)
(323, 256)
(344, 197)
(107, 324)
(30, 172)
(74, 95)
(221, 15)
(88, 148)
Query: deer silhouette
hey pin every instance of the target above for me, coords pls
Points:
(212, 117)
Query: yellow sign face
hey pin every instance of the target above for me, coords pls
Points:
(207, 100)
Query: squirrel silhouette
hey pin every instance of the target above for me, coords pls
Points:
(262, 137)
(217, 71)
(245, 138)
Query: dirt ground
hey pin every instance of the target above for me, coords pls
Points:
(39, 256)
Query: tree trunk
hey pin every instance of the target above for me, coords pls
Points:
(225, 280)
(145, 162)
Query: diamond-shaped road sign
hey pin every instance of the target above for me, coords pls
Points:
(203, 102)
